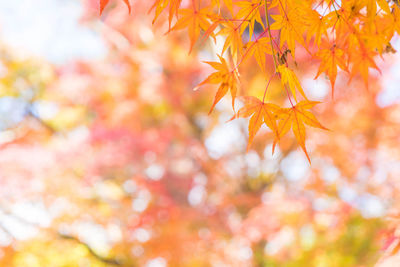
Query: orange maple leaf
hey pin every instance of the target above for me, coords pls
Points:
(233, 38)
(260, 113)
(316, 27)
(331, 57)
(362, 59)
(291, 25)
(195, 21)
(259, 49)
(160, 5)
(228, 80)
(250, 13)
(290, 79)
(371, 8)
(295, 118)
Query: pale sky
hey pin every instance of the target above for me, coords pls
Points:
(49, 29)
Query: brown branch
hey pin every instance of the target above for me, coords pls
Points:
(41, 121)
(91, 251)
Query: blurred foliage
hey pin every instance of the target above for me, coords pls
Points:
(355, 246)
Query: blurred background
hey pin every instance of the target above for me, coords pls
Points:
(108, 156)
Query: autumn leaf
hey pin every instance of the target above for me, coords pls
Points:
(290, 79)
(378, 34)
(294, 118)
(362, 60)
(291, 26)
(160, 5)
(250, 14)
(227, 79)
(331, 58)
(316, 27)
(233, 38)
(258, 49)
(260, 113)
(195, 21)
(337, 22)
(372, 8)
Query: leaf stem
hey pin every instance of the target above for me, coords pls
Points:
(266, 88)
(270, 35)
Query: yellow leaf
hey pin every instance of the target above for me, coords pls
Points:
(233, 38)
(250, 14)
(295, 118)
(194, 20)
(227, 79)
(291, 27)
(290, 79)
(331, 57)
(258, 48)
(260, 113)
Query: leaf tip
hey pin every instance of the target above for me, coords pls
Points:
(305, 152)
(273, 147)
(233, 117)
(211, 110)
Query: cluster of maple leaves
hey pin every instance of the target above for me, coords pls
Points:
(345, 34)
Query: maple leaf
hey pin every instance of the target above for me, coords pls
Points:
(337, 21)
(290, 25)
(160, 5)
(362, 60)
(371, 8)
(249, 12)
(227, 79)
(378, 34)
(260, 113)
(103, 4)
(258, 48)
(295, 118)
(316, 27)
(233, 38)
(331, 57)
(290, 79)
(195, 21)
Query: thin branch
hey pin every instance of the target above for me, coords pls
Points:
(40, 120)
(270, 35)
(91, 251)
